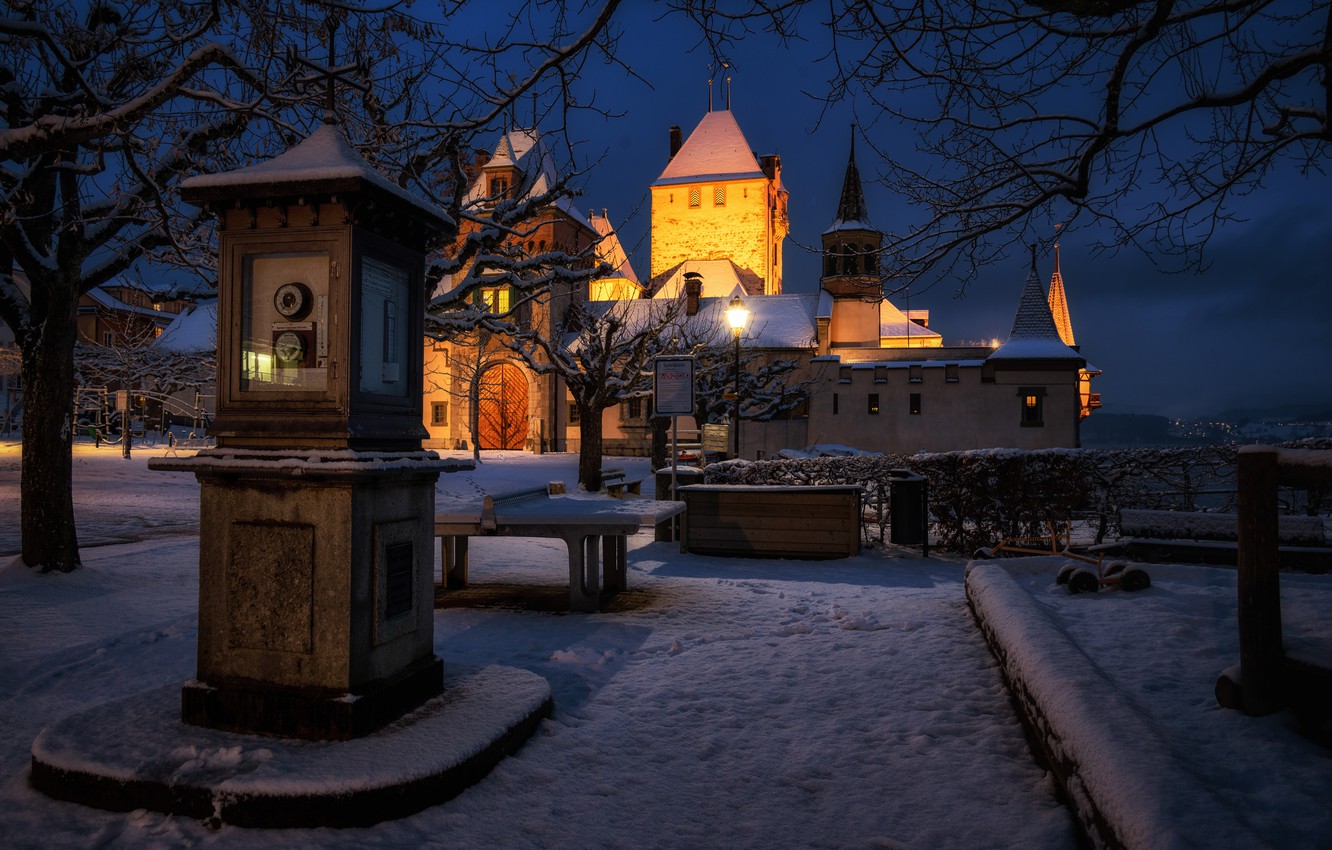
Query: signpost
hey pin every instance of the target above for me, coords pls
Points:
(673, 395)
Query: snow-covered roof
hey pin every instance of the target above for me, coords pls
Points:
(524, 150)
(720, 279)
(894, 324)
(325, 160)
(194, 329)
(775, 321)
(609, 249)
(103, 298)
(715, 150)
(1034, 335)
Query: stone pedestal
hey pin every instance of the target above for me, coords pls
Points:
(315, 590)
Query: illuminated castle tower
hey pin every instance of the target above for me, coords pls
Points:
(717, 201)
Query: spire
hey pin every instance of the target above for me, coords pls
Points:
(1059, 303)
(1033, 319)
(851, 206)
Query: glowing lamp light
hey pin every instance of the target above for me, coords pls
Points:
(737, 315)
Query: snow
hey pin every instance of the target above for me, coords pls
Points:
(193, 329)
(325, 156)
(746, 703)
(715, 151)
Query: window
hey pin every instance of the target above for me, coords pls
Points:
(495, 298)
(1033, 406)
(951, 375)
(695, 197)
(633, 409)
(834, 404)
(106, 338)
(439, 413)
(873, 404)
(719, 196)
(499, 187)
(916, 376)
(880, 374)
(914, 408)
(574, 418)
(844, 375)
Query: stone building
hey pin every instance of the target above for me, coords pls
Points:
(879, 378)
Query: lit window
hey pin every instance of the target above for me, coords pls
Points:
(157, 332)
(1033, 406)
(439, 413)
(873, 404)
(695, 197)
(495, 299)
(719, 196)
(914, 409)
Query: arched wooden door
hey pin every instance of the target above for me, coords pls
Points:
(502, 407)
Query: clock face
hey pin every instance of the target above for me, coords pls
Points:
(292, 300)
(289, 349)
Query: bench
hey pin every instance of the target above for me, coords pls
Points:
(764, 521)
(616, 484)
(1213, 538)
(594, 532)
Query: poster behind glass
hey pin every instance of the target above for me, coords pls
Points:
(284, 322)
(384, 328)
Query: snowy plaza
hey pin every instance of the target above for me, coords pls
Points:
(729, 702)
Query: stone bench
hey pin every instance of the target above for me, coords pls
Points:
(617, 484)
(594, 532)
(1212, 538)
(763, 521)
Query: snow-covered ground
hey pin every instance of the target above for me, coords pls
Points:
(747, 704)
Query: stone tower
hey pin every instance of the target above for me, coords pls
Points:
(716, 200)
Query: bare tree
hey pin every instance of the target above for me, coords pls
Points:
(1144, 116)
(106, 106)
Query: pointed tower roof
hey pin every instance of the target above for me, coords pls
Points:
(716, 149)
(1059, 303)
(1034, 335)
(852, 213)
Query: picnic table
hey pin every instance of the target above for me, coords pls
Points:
(594, 531)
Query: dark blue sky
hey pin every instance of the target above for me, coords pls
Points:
(1249, 332)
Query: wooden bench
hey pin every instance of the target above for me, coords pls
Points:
(1213, 538)
(763, 521)
(616, 484)
(594, 532)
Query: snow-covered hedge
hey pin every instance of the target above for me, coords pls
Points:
(978, 497)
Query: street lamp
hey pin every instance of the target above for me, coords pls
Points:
(736, 317)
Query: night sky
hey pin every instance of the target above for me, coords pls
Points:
(1250, 332)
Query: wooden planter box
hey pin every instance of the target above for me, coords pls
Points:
(759, 521)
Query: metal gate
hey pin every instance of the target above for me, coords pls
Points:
(502, 407)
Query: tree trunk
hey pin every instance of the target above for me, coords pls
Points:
(46, 500)
(589, 448)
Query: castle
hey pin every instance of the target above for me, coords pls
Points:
(877, 378)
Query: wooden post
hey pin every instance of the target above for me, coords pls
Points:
(1261, 652)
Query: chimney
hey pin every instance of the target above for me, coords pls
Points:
(677, 140)
(771, 165)
(693, 285)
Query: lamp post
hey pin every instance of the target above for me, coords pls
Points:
(736, 317)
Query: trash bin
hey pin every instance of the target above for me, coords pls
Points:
(909, 521)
